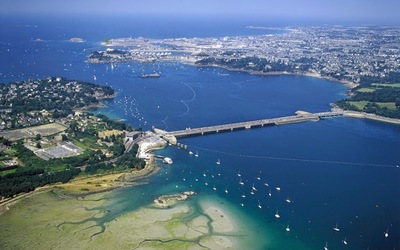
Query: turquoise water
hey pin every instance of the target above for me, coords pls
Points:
(336, 171)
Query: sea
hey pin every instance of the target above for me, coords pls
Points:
(331, 182)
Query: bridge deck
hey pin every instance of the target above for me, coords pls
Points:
(252, 124)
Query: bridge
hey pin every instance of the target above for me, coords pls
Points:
(300, 116)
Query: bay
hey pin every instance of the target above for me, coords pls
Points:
(337, 171)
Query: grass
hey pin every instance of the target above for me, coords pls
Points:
(388, 105)
(394, 85)
(87, 144)
(91, 184)
(11, 152)
(366, 90)
(360, 104)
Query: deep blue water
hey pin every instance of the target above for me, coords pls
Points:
(335, 171)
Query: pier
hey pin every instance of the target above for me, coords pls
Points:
(301, 116)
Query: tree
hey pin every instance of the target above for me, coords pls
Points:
(64, 137)
(38, 137)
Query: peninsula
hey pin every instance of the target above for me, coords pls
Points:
(45, 138)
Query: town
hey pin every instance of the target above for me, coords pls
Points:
(342, 53)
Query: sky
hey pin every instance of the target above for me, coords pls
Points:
(362, 10)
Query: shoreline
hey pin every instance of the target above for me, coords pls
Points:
(362, 115)
(348, 84)
(107, 182)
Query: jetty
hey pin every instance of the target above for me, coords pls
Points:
(301, 116)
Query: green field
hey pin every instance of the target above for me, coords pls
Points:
(394, 85)
(366, 90)
(388, 105)
(360, 104)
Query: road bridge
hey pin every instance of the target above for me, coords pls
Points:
(300, 116)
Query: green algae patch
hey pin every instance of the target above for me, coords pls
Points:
(49, 220)
(53, 220)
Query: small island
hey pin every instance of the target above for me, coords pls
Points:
(76, 40)
(172, 199)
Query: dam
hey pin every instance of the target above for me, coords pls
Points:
(301, 116)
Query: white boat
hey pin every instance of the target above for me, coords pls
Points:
(241, 182)
(206, 184)
(259, 205)
(253, 187)
(226, 190)
(243, 196)
(241, 204)
(326, 246)
(288, 200)
(269, 193)
(197, 154)
(238, 174)
(204, 174)
(251, 192)
(266, 184)
(167, 160)
(259, 178)
(345, 241)
(386, 234)
(215, 189)
(218, 162)
(190, 152)
(278, 189)
(287, 228)
(277, 215)
(336, 228)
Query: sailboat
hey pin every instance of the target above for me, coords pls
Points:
(253, 187)
(259, 205)
(243, 196)
(326, 246)
(190, 152)
(345, 241)
(269, 193)
(287, 228)
(218, 162)
(241, 182)
(336, 228)
(238, 174)
(386, 234)
(197, 154)
(277, 215)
